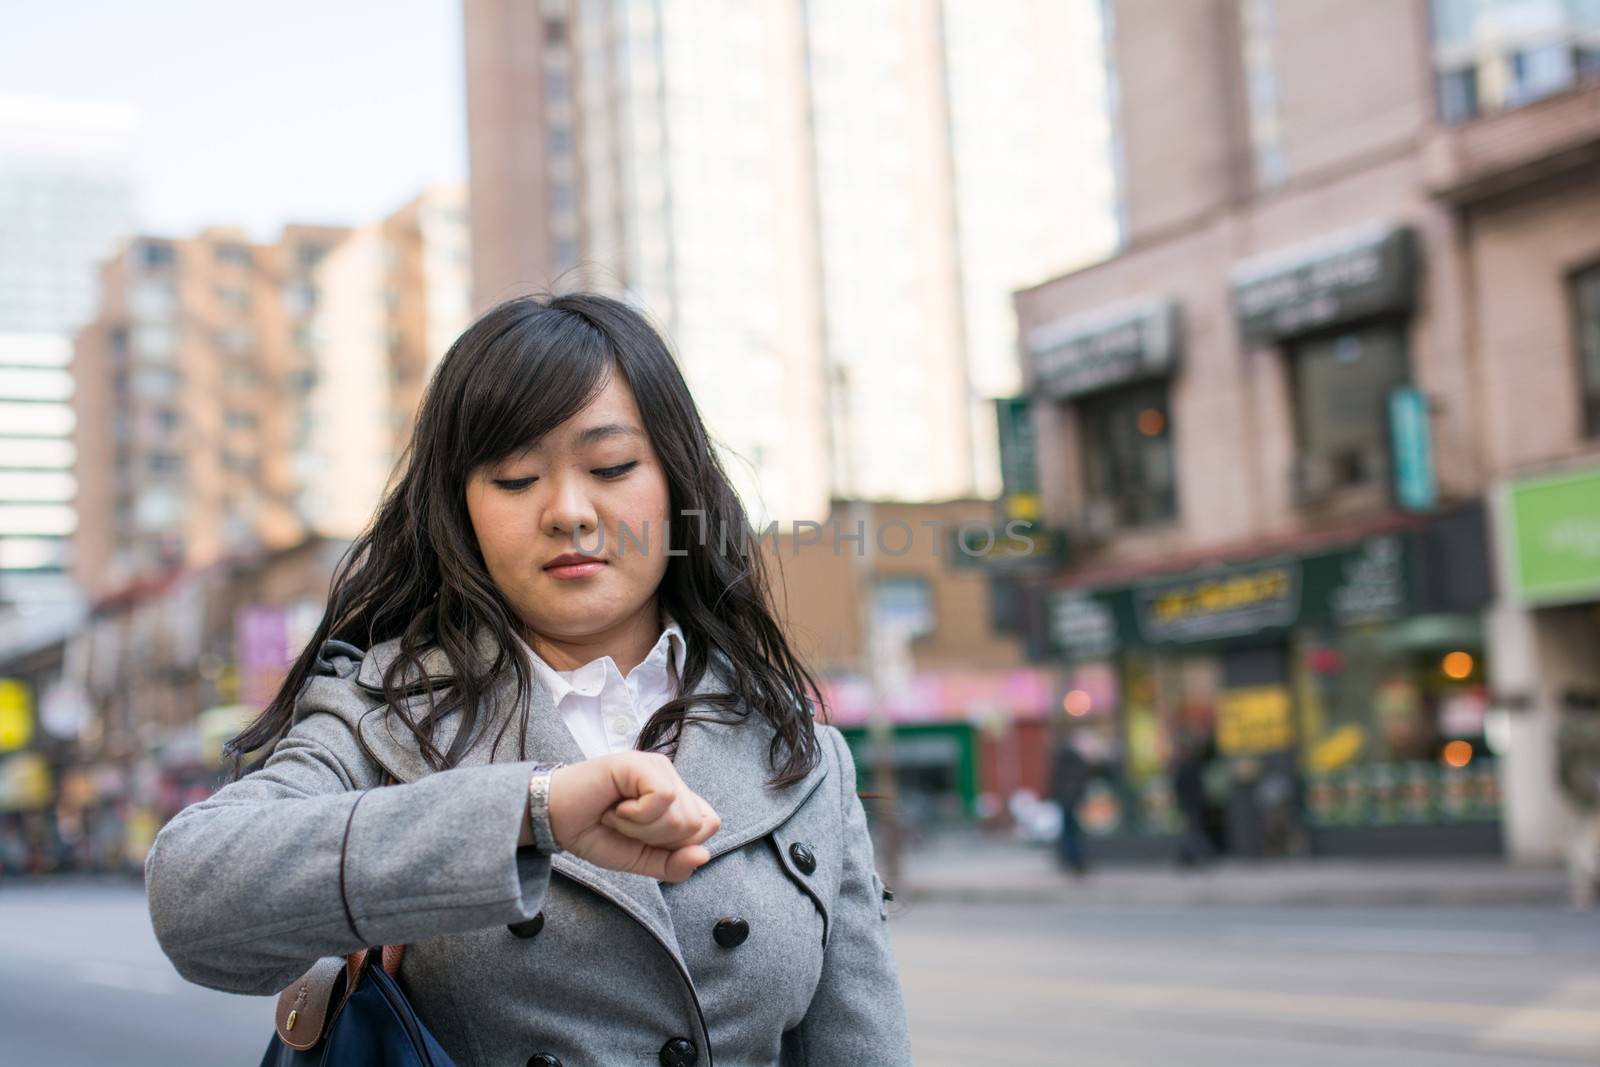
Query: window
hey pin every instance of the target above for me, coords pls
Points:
(156, 254)
(1127, 453)
(159, 383)
(1586, 305)
(1258, 26)
(233, 297)
(239, 420)
(1493, 55)
(1341, 388)
(555, 87)
(237, 254)
(904, 600)
(155, 342)
(236, 340)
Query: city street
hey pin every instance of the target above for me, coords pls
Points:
(82, 982)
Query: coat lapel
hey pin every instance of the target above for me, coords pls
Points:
(726, 763)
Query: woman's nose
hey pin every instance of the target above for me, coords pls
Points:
(569, 510)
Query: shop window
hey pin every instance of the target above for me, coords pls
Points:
(1586, 305)
(1127, 451)
(1341, 388)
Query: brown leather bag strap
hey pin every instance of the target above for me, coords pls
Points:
(307, 1007)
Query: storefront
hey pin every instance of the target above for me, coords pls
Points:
(1549, 625)
(1335, 697)
(964, 741)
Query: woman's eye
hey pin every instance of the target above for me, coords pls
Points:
(618, 471)
(515, 484)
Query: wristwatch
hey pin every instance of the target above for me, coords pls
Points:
(544, 839)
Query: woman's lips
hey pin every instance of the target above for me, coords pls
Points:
(575, 570)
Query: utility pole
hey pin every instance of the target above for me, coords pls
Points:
(880, 728)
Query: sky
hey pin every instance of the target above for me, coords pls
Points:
(253, 113)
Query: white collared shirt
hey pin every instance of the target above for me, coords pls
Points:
(603, 710)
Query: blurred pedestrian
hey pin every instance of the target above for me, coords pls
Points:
(1201, 839)
(563, 674)
(1069, 779)
(1578, 771)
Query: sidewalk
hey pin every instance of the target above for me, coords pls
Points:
(982, 870)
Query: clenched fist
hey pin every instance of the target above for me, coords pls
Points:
(630, 811)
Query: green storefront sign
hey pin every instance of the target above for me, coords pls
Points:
(1555, 537)
(1371, 581)
(1019, 467)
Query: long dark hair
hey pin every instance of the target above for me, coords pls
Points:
(416, 571)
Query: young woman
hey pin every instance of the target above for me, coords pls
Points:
(615, 834)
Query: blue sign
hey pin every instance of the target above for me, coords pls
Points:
(1415, 487)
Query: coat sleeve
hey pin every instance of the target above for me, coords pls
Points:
(312, 856)
(857, 1014)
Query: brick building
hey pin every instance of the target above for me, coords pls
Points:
(1355, 308)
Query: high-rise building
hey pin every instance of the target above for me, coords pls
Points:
(393, 296)
(65, 200)
(192, 399)
(825, 204)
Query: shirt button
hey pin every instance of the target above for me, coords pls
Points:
(621, 724)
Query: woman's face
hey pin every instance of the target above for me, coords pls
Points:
(574, 492)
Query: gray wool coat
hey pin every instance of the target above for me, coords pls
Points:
(252, 885)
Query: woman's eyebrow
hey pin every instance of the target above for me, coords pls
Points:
(610, 429)
(585, 437)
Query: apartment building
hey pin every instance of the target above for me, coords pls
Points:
(191, 393)
(392, 297)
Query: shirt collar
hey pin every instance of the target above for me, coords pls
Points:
(671, 642)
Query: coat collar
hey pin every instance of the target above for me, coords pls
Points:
(725, 763)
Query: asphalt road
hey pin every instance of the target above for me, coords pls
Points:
(82, 982)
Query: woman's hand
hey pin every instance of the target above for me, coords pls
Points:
(630, 811)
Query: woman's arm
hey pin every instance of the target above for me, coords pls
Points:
(310, 856)
(857, 1014)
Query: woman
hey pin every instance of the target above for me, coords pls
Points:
(691, 883)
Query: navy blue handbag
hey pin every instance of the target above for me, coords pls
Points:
(373, 1026)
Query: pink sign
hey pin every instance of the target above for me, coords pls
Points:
(946, 696)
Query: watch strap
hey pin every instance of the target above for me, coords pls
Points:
(544, 838)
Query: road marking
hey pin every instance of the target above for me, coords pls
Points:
(1506, 1019)
(1385, 939)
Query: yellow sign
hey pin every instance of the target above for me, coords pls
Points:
(16, 714)
(25, 782)
(1215, 596)
(1254, 720)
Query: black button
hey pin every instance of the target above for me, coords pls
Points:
(679, 1052)
(803, 857)
(730, 933)
(543, 1059)
(528, 928)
